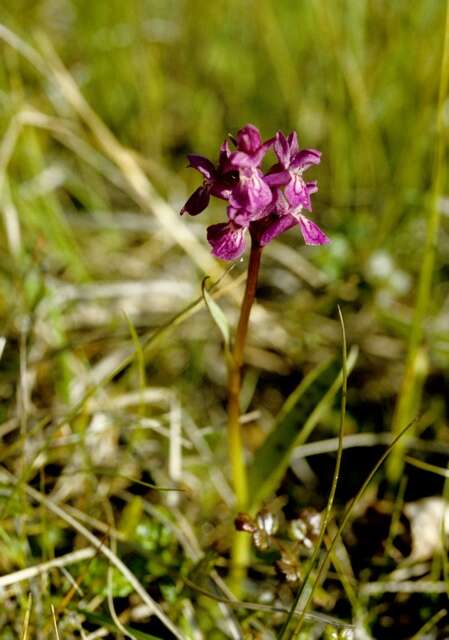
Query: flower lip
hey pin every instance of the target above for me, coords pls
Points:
(311, 232)
(298, 192)
(227, 240)
(251, 192)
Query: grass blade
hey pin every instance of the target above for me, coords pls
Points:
(330, 502)
(426, 466)
(257, 606)
(434, 620)
(55, 623)
(103, 549)
(26, 623)
(108, 623)
(297, 419)
(348, 512)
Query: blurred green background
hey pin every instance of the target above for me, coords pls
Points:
(90, 227)
(357, 80)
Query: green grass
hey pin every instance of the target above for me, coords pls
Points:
(112, 379)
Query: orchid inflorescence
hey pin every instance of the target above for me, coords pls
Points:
(265, 204)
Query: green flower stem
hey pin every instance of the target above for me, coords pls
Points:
(240, 548)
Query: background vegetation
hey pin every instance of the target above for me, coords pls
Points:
(100, 102)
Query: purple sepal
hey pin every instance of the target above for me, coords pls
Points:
(250, 148)
(286, 148)
(248, 139)
(270, 227)
(293, 142)
(197, 202)
(221, 190)
(217, 181)
(305, 159)
(201, 164)
(277, 176)
(289, 155)
(282, 149)
(225, 152)
(311, 232)
(227, 240)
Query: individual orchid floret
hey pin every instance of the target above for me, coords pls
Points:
(284, 217)
(217, 181)
(227, 240)
(251, 193)
(250, 148)
(290, 168)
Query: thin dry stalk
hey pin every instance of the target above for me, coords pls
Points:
(33, 572)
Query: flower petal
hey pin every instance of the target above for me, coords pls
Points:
(259, 155)
(221, 190)
(227, 240)
(296, 191)
(243, 217)
(306, 200)
(201, 164)
(197, 202)
(251, 193)
(225, 152)
(311, 232)
(293, 142)
(277, 176)
(240, 160)
(270, 227)
(305, 159)
(312, 186)
(282, 149)
(248, 139)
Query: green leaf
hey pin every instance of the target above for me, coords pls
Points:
(217, 315)
(298, 417)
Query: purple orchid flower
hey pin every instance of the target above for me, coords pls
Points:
(250, 148)
(217, 181)
(227, 240)
(262, 205)
(284, 217)
(251, 193)
(290, 168)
